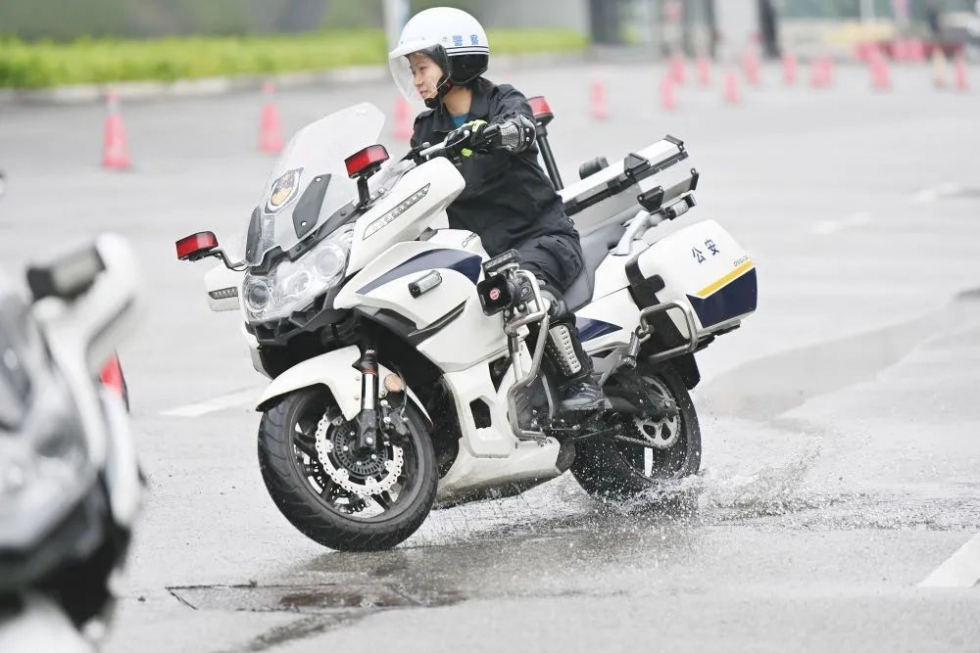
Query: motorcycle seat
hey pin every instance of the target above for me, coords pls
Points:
(595, 248)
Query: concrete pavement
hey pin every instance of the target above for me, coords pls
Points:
(839, 424)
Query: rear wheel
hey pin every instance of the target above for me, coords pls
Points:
(652, 453)
(333, 495)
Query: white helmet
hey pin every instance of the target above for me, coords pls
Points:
(453, 38)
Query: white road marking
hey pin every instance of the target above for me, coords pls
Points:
(961, 570)
(833, 226)
(932, 194)
(233, 400)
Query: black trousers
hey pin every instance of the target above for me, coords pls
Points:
(556, 260)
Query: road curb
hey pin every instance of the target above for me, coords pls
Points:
(212, 86)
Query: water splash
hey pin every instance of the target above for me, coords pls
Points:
(770, 491)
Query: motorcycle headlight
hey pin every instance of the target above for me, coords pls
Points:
(330, 262)
(293, 285)
(257, 294)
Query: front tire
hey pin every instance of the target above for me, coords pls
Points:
(613, 469)
(316, 497)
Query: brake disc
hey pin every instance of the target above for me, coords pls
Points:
(342, 465)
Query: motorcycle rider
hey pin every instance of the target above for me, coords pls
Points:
(508, 200)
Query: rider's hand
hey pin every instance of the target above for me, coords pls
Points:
(515, 134)
(468, 137)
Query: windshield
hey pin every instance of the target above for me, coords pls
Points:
(290, 209)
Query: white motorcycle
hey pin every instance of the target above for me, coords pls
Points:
(406, 363)
(70, 484)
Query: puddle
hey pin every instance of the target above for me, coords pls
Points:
(304, 599)
(324, 607)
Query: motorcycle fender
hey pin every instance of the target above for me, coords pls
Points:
(687, 367)
(334, 370)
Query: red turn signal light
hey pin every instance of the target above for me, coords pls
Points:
(366, 162)
(196, 246)
(541, 109)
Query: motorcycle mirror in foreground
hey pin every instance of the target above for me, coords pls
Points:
(68, 277)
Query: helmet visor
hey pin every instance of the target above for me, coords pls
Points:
(401, 68)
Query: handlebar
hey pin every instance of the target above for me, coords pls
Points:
(487, 136)
(434, 150)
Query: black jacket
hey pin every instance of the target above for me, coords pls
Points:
(508, 200)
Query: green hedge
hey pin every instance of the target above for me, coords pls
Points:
(44, 64)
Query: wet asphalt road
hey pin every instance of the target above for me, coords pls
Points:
(841, 457)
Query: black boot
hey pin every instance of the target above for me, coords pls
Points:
(578, 390)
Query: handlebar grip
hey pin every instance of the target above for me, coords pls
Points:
(490, 134)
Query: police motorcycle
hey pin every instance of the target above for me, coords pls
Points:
(70, 485)
(406, 364)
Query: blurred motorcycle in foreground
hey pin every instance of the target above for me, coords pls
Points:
(70, 484)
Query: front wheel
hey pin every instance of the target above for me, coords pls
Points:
(652, 453)
(333, 495)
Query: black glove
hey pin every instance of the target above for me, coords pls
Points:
(515, 134)
(467, 137)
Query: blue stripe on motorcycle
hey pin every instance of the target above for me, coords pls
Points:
(451, 259)
(737, 298)
(591, 329)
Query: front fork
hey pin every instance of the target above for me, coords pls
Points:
(388, 412)
(367, 419)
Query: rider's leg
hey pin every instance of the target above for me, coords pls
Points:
(570, 365)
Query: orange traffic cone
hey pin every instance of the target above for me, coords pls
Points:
(668, 94)
(678, 69)
(790, 69)
(916, 51)
(902, 49)
(829, 68)
(599, 102)
(404, 122)
(820, 73)
(753, 68)
(732, 94)
(115, 155)
(880, 74)
(704, 70)
(862, 52)
(962, 79)
(270, 131)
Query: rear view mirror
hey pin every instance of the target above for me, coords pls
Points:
(3, 184)
(68, 276)
(197, 246)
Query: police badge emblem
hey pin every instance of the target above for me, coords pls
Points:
(284, 190)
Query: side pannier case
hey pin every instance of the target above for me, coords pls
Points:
(701, 268)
